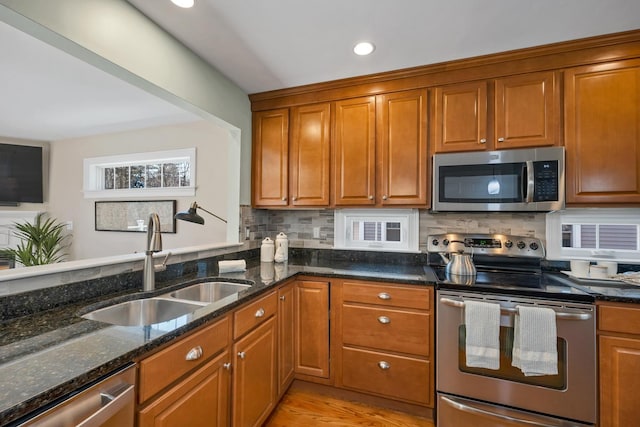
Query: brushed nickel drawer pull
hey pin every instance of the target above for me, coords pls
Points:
(241, 354)
(227, 366)
(194, 354)
(282, 298)
(384, 365)
(384, 296)
(260, 312)
(384, 320)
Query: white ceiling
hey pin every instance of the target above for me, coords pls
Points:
(47, 94)
(264, 45)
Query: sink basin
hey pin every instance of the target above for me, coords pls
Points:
(208, 291)
(142, 312)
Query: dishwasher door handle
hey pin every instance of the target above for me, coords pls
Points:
(112, 404)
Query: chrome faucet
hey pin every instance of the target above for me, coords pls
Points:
(154, 244)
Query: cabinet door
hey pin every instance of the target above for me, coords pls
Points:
(309, 155)
(270, 158)
(619, 379)
(401, 125)
(202, 400)
(459, 117)
(286, 334)
(354, 159)
(527, 111)
(312, 328)
(254, 380)
(602, 133)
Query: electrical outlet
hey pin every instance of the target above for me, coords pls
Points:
(70, 225)
(316, 232)
(247, 233)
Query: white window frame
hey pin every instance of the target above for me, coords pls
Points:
(93, 183)
(554, 221)
(409, 229)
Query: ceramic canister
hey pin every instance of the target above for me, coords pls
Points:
(282, 247)
(267, 250)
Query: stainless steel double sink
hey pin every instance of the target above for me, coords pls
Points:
(149, 311)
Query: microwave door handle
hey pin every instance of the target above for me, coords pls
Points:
(528, 198)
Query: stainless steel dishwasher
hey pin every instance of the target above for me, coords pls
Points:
(108, 403)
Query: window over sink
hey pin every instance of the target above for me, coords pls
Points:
(594, 234)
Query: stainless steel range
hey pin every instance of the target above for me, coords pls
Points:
(510, 279)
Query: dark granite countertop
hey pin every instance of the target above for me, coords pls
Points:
(45, 356)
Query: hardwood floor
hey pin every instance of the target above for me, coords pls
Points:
(306, 408)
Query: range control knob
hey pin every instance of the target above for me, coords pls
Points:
(521, 245)
(445, 242)
(435, 242)
(508, 244)
(534, 246)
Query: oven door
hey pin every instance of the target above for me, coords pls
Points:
(570, 394)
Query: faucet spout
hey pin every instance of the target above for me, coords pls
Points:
(154, 244)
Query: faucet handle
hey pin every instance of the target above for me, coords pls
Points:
(163, 266)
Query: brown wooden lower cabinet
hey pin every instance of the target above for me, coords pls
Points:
(201, 400)
(254, 376)
(312, 328)
(382, 349)
(385, 340)
(286, 337)
(386, 374)
(619, 360)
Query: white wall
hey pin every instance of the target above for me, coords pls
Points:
(67, 202)
(117, 38)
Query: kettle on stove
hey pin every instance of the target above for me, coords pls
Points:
(459, 263)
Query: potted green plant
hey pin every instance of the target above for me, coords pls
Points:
(42, 242)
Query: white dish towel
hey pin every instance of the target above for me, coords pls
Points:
(482, 343)
(535, 341)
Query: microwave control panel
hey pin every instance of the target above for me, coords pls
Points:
(547, 181)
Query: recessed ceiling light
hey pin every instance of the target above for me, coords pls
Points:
(364, 48)
(183, 3)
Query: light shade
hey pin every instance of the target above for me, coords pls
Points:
(191, 215)
(183, 3)
(363, 48)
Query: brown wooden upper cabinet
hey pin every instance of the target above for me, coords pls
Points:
(602, 133)
(524, 111)
(380, 150)
(291, 165)
(270, 174)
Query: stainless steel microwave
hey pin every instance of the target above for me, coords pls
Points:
(505, 180)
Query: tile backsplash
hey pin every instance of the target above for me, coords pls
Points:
(299, 225)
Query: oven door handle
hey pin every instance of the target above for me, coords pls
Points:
(564, 315)
(470, 409)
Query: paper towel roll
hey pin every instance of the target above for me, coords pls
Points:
(231, 266)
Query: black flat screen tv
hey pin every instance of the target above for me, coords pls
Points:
(20, 174)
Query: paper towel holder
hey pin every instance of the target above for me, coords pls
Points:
(191, 215)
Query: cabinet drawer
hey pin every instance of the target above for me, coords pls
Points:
(619, 318)
(396, 377)
(386, 329)
(163, 368)
(254, 314)
(387, 295)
